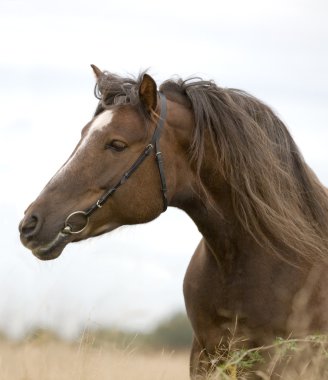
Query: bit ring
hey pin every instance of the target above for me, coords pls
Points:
(68, 228)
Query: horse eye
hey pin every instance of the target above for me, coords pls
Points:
(117, 146)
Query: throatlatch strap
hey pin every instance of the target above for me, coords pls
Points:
(159, 157)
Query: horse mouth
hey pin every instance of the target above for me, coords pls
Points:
(53, 249)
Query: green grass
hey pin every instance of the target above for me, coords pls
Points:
(287, 359)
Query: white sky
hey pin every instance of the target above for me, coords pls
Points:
(277, 50)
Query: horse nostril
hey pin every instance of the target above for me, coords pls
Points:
(30, 226)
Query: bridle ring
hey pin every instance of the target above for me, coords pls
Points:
(68, 228)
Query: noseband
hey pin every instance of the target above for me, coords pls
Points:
(153, 145)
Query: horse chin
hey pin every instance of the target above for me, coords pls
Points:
(53, 249)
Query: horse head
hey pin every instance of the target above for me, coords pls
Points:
(118, 146)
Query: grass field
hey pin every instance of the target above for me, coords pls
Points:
(55, 360)
(114, 355)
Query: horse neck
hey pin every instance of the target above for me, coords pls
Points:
(202, 194)
(208, 202)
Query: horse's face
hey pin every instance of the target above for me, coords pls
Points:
(110, 143)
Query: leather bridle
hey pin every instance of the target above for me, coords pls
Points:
(153, 145)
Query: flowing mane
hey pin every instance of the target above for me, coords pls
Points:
(276, 197)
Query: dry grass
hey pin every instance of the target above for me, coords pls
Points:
(43, 357)
(54, 360)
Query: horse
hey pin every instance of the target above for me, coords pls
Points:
(228, 161)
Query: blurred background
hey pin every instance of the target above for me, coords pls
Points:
(132, 278)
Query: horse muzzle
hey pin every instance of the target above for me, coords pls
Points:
(30, 229)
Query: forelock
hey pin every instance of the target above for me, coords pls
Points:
(111, 89)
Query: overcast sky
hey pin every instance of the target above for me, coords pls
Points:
(277, 50)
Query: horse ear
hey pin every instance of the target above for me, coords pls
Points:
(97, 71)
(148, 93)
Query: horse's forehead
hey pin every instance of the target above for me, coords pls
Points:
(116, 119)
(98, 124)
(106, 118)
(101, 121)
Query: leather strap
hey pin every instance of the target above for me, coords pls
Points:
(159, 157)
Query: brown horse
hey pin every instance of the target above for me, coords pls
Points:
(231, 165)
